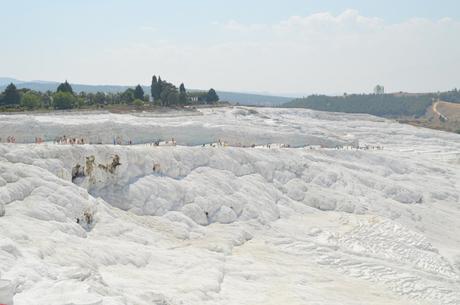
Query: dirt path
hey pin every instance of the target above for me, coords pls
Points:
(435, 110)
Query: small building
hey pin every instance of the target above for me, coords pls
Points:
(197, 97)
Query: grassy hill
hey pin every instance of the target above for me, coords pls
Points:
(441, 115)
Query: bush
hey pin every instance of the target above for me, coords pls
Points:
(31, 100)
(138, 103)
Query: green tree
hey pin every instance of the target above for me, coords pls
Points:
(128, 96)
(46, 99)
(65, 87)
(11, 96)
(212, 97)
(182, 95)
(31, 100)
(169, 94)
(139, 92)
(99, 98)
(64, 100)
(79, 102)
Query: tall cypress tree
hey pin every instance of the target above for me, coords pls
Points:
(182, 88)
(139, 92)
(65, 87)
(182, 94)
(212, 96)
(160, 86)
(154, 88)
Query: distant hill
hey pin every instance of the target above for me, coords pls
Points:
(387, 105)
(253, 99)
(5, 81)
(232, 97)
(52, 86)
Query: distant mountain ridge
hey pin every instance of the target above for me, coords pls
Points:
(5, 81)
(232, 97)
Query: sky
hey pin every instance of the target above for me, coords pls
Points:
(290, 47)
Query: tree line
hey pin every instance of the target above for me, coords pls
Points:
(162, 94)
(389, 105)
(452, 96)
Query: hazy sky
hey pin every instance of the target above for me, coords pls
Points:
(289, 46)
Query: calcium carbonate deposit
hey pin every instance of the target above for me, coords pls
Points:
(238, 206)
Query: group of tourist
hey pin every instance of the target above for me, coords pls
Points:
(9, 139)
(68, 140)
(220, 143)
(171, 142)
(365, 147)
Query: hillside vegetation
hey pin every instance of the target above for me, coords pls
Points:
(388, 105)
(442, 115)
(452, 96)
